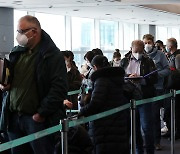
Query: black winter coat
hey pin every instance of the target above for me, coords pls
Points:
(174, 80)
(147, 65)
(109, 134)
(51, 80)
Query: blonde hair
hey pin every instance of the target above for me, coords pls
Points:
(137, 43)
(172, 41)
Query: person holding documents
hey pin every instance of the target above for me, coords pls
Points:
(137, 67)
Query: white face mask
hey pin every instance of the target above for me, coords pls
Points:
(148, 48)
(116, 63)
(137, 55)
(22, 39)
(68, 69)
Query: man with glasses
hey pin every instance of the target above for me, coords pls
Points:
(37, 88)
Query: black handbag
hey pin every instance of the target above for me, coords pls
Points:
(4, 71)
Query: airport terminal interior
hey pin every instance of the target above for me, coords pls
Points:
(83, 25)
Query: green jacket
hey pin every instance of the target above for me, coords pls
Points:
(51, 80)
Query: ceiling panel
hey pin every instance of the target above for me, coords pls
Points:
(134, 11)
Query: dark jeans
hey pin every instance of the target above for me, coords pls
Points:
(22, 125)
(144, 121)
(156, 116)
(167, 111)
(167, 115)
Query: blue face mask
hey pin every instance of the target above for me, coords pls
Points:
(167, 49)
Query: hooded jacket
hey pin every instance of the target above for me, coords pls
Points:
(162, 65)
(109, 134)
(50, 78)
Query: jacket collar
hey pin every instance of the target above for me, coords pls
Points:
(45, 46)
(153, 53)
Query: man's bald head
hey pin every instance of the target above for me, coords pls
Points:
(30, 21)
(31, 28)
(137, 46)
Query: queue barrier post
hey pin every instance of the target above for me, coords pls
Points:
(173, 100)
(64, 136)
(133, 126)
(66, 124)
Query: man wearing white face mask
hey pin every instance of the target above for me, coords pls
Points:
(139, 64)
(162, 65)
(38, 87)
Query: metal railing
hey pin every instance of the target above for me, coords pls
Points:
(65, 124)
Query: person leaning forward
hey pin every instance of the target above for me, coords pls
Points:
(38, 87)
(139, 64)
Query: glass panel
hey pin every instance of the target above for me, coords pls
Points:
(129, 35)
(17, 15)
(175, 34)
(162, 34)
(78, 59)
(82, 34)
(109, 56)
(108, 35)
(121, 36)
(54, 25)
(169, 33)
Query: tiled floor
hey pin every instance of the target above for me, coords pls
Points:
(166, 145)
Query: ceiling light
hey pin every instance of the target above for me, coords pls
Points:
(17, 1)
(110, 0)
(79, 1)
(108, 14)
(76, 10)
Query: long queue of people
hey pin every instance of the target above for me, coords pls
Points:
(36, 98)
(146, 56)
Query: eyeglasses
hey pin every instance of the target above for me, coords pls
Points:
(22, 31)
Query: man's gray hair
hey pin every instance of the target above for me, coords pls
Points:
(31, 19)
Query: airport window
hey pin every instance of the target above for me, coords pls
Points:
(17, 15)
(121, 37)
(162, 33)
(82, 34)
(82, 37)
(108, 35)
(175, 34)
(54, 25)
(129, 35)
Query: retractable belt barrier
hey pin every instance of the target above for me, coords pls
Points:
(72, 123)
